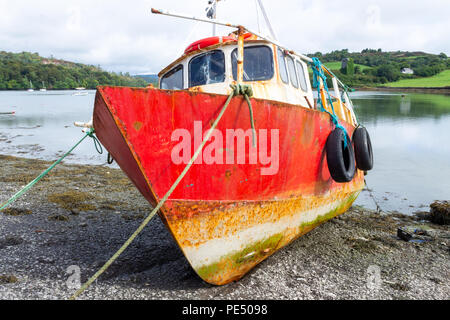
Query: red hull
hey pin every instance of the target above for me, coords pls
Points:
(136, 126)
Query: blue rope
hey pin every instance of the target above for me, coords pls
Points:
(318, 73)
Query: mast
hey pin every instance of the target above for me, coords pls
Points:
(230, 25)
(269, 25)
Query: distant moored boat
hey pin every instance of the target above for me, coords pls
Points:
(31, 87)
(43, 89)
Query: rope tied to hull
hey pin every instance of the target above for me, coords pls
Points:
(247, 92)
(97, 144)
(318, 74)
(237, 90)
(90, 134)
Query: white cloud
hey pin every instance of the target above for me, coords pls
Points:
(124, 36)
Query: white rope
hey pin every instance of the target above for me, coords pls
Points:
(257, 16)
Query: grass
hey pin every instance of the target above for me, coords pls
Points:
(336, 65)
(440, 80)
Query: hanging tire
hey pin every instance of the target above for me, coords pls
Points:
(340, 156)
(363, 149)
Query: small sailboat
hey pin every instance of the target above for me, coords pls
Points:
(271, 171)
(43, 89)
(80, 94)
(31, 87)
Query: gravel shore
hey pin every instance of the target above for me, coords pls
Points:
(77, 217)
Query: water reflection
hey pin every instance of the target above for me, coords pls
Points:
(371, 106)
(410, 138)
(42, 126)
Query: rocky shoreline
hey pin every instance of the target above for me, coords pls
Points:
(72, 221)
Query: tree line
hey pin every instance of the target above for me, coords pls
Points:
(17, 70)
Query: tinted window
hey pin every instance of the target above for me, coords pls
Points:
(207, 68)
(301, 76)
(282, 65)
(292, 73)
(173, 80)
(258, 63)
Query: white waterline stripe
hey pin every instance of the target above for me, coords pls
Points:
(213, 250)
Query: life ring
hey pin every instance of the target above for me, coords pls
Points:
(211, 41)
(363, 149)
(208, 42)
(340, 156)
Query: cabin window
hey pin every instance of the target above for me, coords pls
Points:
(207, 68)
(301, 76)
(282, 66)
(173, 80)
(258, 63)
(292, 73)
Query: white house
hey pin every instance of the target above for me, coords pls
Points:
(407, 71)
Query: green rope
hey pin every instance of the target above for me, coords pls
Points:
(97, 144)
(247, 92)
(236, 91)
(43, 174)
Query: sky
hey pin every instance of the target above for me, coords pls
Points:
(123, 36)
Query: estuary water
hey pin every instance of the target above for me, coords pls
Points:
(410, 136)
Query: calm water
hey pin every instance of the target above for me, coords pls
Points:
(410, 136)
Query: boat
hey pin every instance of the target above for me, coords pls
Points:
(278, 164)
(82, 93)
(31, 87)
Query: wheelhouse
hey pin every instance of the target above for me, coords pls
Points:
(273, 73)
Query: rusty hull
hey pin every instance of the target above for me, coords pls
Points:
(226, 218)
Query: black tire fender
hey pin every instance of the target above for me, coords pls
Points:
(340, 156)
(363, 149)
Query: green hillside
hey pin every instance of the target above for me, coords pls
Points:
(18, 69)
(371, 68)
(440, 80)
(336, 65)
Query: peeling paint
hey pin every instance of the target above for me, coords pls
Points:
(224, 217)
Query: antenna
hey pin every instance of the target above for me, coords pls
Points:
(211, 12)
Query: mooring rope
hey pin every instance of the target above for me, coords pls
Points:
(237, 90)
(379, 210)
(43, 174)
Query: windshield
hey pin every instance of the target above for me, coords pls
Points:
(258, 63)
(173, 80)
(282, 65)
(207, 68)
(292, 73)
(301, 76)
